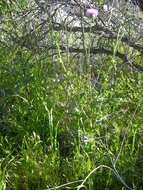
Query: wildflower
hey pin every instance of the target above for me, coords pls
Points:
(91, 12)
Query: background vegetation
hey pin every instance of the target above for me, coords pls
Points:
(64, 125)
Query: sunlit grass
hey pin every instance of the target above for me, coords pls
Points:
(57, 127)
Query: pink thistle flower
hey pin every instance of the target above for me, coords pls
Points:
(91, 12)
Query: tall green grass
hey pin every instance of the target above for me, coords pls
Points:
(58, 125)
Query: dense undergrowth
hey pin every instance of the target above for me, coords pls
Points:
(58, 124)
